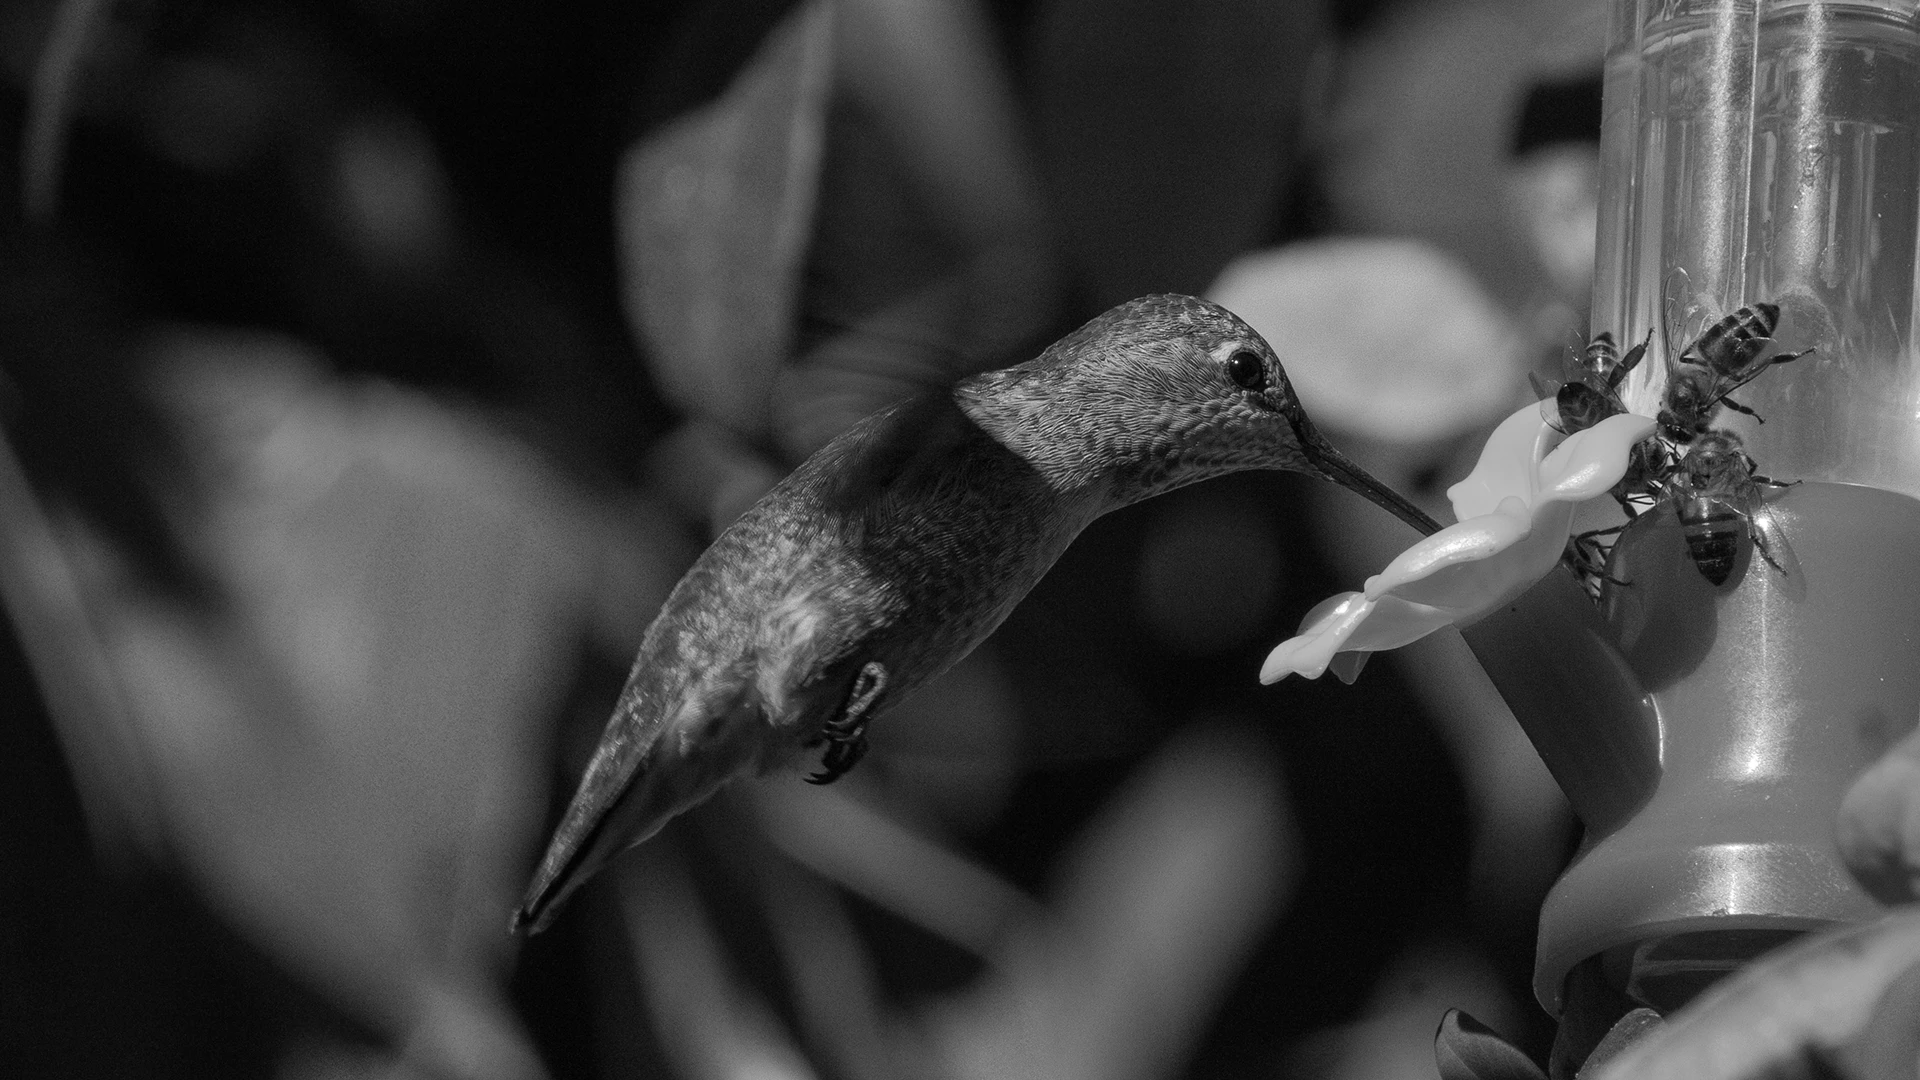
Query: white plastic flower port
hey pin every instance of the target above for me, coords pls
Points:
(1515, 512)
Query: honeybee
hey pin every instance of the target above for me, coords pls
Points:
(1603, 361)
(1585, 402)
(1586, 555)
(1726, 356)
(1595, 395)
(1717, 495)
(1649, 464)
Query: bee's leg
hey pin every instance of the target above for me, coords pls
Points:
(846, 733)
(1629, 361)
(1636, 500)
(1587, 560)
(1602, 575)
(1739, 408)
(1585, 569)
(1540, 387)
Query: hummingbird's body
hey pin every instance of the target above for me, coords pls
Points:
(897, 548)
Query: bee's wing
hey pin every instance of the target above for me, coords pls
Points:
(1770, 541)
(1672, 311)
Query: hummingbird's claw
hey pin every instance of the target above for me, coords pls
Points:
(846, 734)
(843, 753)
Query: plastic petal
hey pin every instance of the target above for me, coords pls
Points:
(1448, 568)
(1351, 624)
(1322, 633)
(1590, 462)
(1346, 666)
(1395, 622)
(1515, 512)
(1508, 465)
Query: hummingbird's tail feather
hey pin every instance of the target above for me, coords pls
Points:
(642, 775)
(582, 844)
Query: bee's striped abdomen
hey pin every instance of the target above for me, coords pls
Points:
(1712, 529)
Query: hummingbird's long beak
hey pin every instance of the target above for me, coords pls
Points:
(1336, 467)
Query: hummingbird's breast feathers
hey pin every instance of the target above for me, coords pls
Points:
(802, 634)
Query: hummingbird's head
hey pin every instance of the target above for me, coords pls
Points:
(1158, 393)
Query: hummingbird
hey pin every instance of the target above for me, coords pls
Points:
(899, 546)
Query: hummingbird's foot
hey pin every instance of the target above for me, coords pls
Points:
(846, 734)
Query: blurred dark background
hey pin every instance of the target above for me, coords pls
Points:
(370, 370)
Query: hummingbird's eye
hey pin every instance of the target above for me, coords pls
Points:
(1247, 370)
